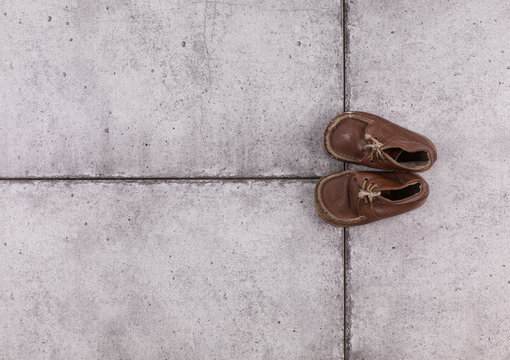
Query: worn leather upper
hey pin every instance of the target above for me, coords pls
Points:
(359, 197)
(370, 140)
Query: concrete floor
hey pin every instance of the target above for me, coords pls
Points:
(168, 270)
(220, 253)
(435, 283)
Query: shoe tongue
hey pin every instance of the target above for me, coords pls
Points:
(393, 152)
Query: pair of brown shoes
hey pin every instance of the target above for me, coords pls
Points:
(358, 197)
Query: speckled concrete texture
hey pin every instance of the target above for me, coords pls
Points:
(170, 270)
(187, 269)
(168, 88)
(435, 283)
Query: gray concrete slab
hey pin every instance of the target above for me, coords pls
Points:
(170, 270)
(168, 88)
(435, 283)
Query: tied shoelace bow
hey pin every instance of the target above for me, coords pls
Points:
(366, 192)
(376, 148)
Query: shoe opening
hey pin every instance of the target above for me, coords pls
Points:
(401, 194)
(412, 160)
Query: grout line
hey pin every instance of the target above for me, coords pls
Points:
(346, 248)
(343, 56)
(120, 178)
(347, 309)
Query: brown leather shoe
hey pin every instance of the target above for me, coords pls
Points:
(370, 140)
(358, 197)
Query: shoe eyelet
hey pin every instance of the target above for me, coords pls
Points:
(371, 161)
(365, 179)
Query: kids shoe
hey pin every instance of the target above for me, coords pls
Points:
(358, 197)
(370, 140)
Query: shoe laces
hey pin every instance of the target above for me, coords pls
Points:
(376, 148)
(367, 192)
